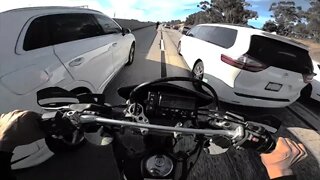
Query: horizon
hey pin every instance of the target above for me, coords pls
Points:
(147, 10)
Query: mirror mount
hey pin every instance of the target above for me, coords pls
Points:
(126, 31)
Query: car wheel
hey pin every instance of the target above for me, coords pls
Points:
(179, 48)
(306, 92)
(66, 144)
(198, 70)
(198, 73)
(131, 55)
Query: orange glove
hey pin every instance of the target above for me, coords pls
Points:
(19, 128)
(287, 153)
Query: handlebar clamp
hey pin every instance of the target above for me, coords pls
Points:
(57, 123)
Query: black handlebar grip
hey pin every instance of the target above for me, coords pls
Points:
(55, 123)
(268, 145)
(263, 143)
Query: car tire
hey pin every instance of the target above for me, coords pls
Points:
(198, 70)
(306, 92)
(179, 48)
(131, 55)
(198, 73)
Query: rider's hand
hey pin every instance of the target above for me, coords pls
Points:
(19, 128)
(279, 162)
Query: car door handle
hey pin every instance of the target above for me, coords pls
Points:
(114, 44)
(76, 62)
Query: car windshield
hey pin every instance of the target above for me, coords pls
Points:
(261, 58)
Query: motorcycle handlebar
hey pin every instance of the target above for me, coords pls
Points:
(206, 132)
(59, 123)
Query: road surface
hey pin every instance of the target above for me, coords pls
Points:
(92, 162)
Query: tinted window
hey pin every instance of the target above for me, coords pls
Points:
(107, 24)
(280, 54)
(71, 27)
(37, 35)
(223, 37)
(193, 32)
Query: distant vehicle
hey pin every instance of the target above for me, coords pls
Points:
(167, 26)
(247, 66)
(312, 90)
(75, 48)
(176, 27)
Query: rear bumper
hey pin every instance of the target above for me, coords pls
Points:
(315, 94)
(227, 94)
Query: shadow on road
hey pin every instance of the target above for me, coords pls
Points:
(306, 169)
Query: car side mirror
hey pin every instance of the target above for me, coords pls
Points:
(126, 31)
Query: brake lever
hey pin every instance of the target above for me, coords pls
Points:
(254, 136)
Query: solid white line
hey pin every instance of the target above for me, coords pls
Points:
(162, 45)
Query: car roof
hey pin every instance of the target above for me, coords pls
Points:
(49, 8)
(13, 21)
(252, 31)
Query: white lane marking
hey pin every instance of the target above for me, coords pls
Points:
(162, 45)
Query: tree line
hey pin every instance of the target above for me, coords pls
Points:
(287, 18)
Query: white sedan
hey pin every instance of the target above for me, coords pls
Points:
(77, 49)
(247, 66)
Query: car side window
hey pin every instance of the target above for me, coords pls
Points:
(107, 24)
(204, 33)
(221, 36)
(72, 27)
(37, 35)
(193, 32)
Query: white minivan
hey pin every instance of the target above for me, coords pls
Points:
(77, 49)
(312, 90)
(247, 66)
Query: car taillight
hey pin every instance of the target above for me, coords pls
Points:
(244, 62)
(307, 78)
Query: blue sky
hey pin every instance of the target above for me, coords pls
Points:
(145, 10)
(165, 10)
(262, 7)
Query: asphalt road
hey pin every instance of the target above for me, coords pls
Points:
(92, 162)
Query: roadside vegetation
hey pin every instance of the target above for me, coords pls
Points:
(287, 18)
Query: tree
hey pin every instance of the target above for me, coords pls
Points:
(300, 30)
(313, 17)
(286, 15)
(270, 26)
(228, 11)
(198, 18)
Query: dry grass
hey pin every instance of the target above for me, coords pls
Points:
(314, 49)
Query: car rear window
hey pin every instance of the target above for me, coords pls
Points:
(72, 27)
(37, 35)
(223, 37)
(280, 54)
(60, 28)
